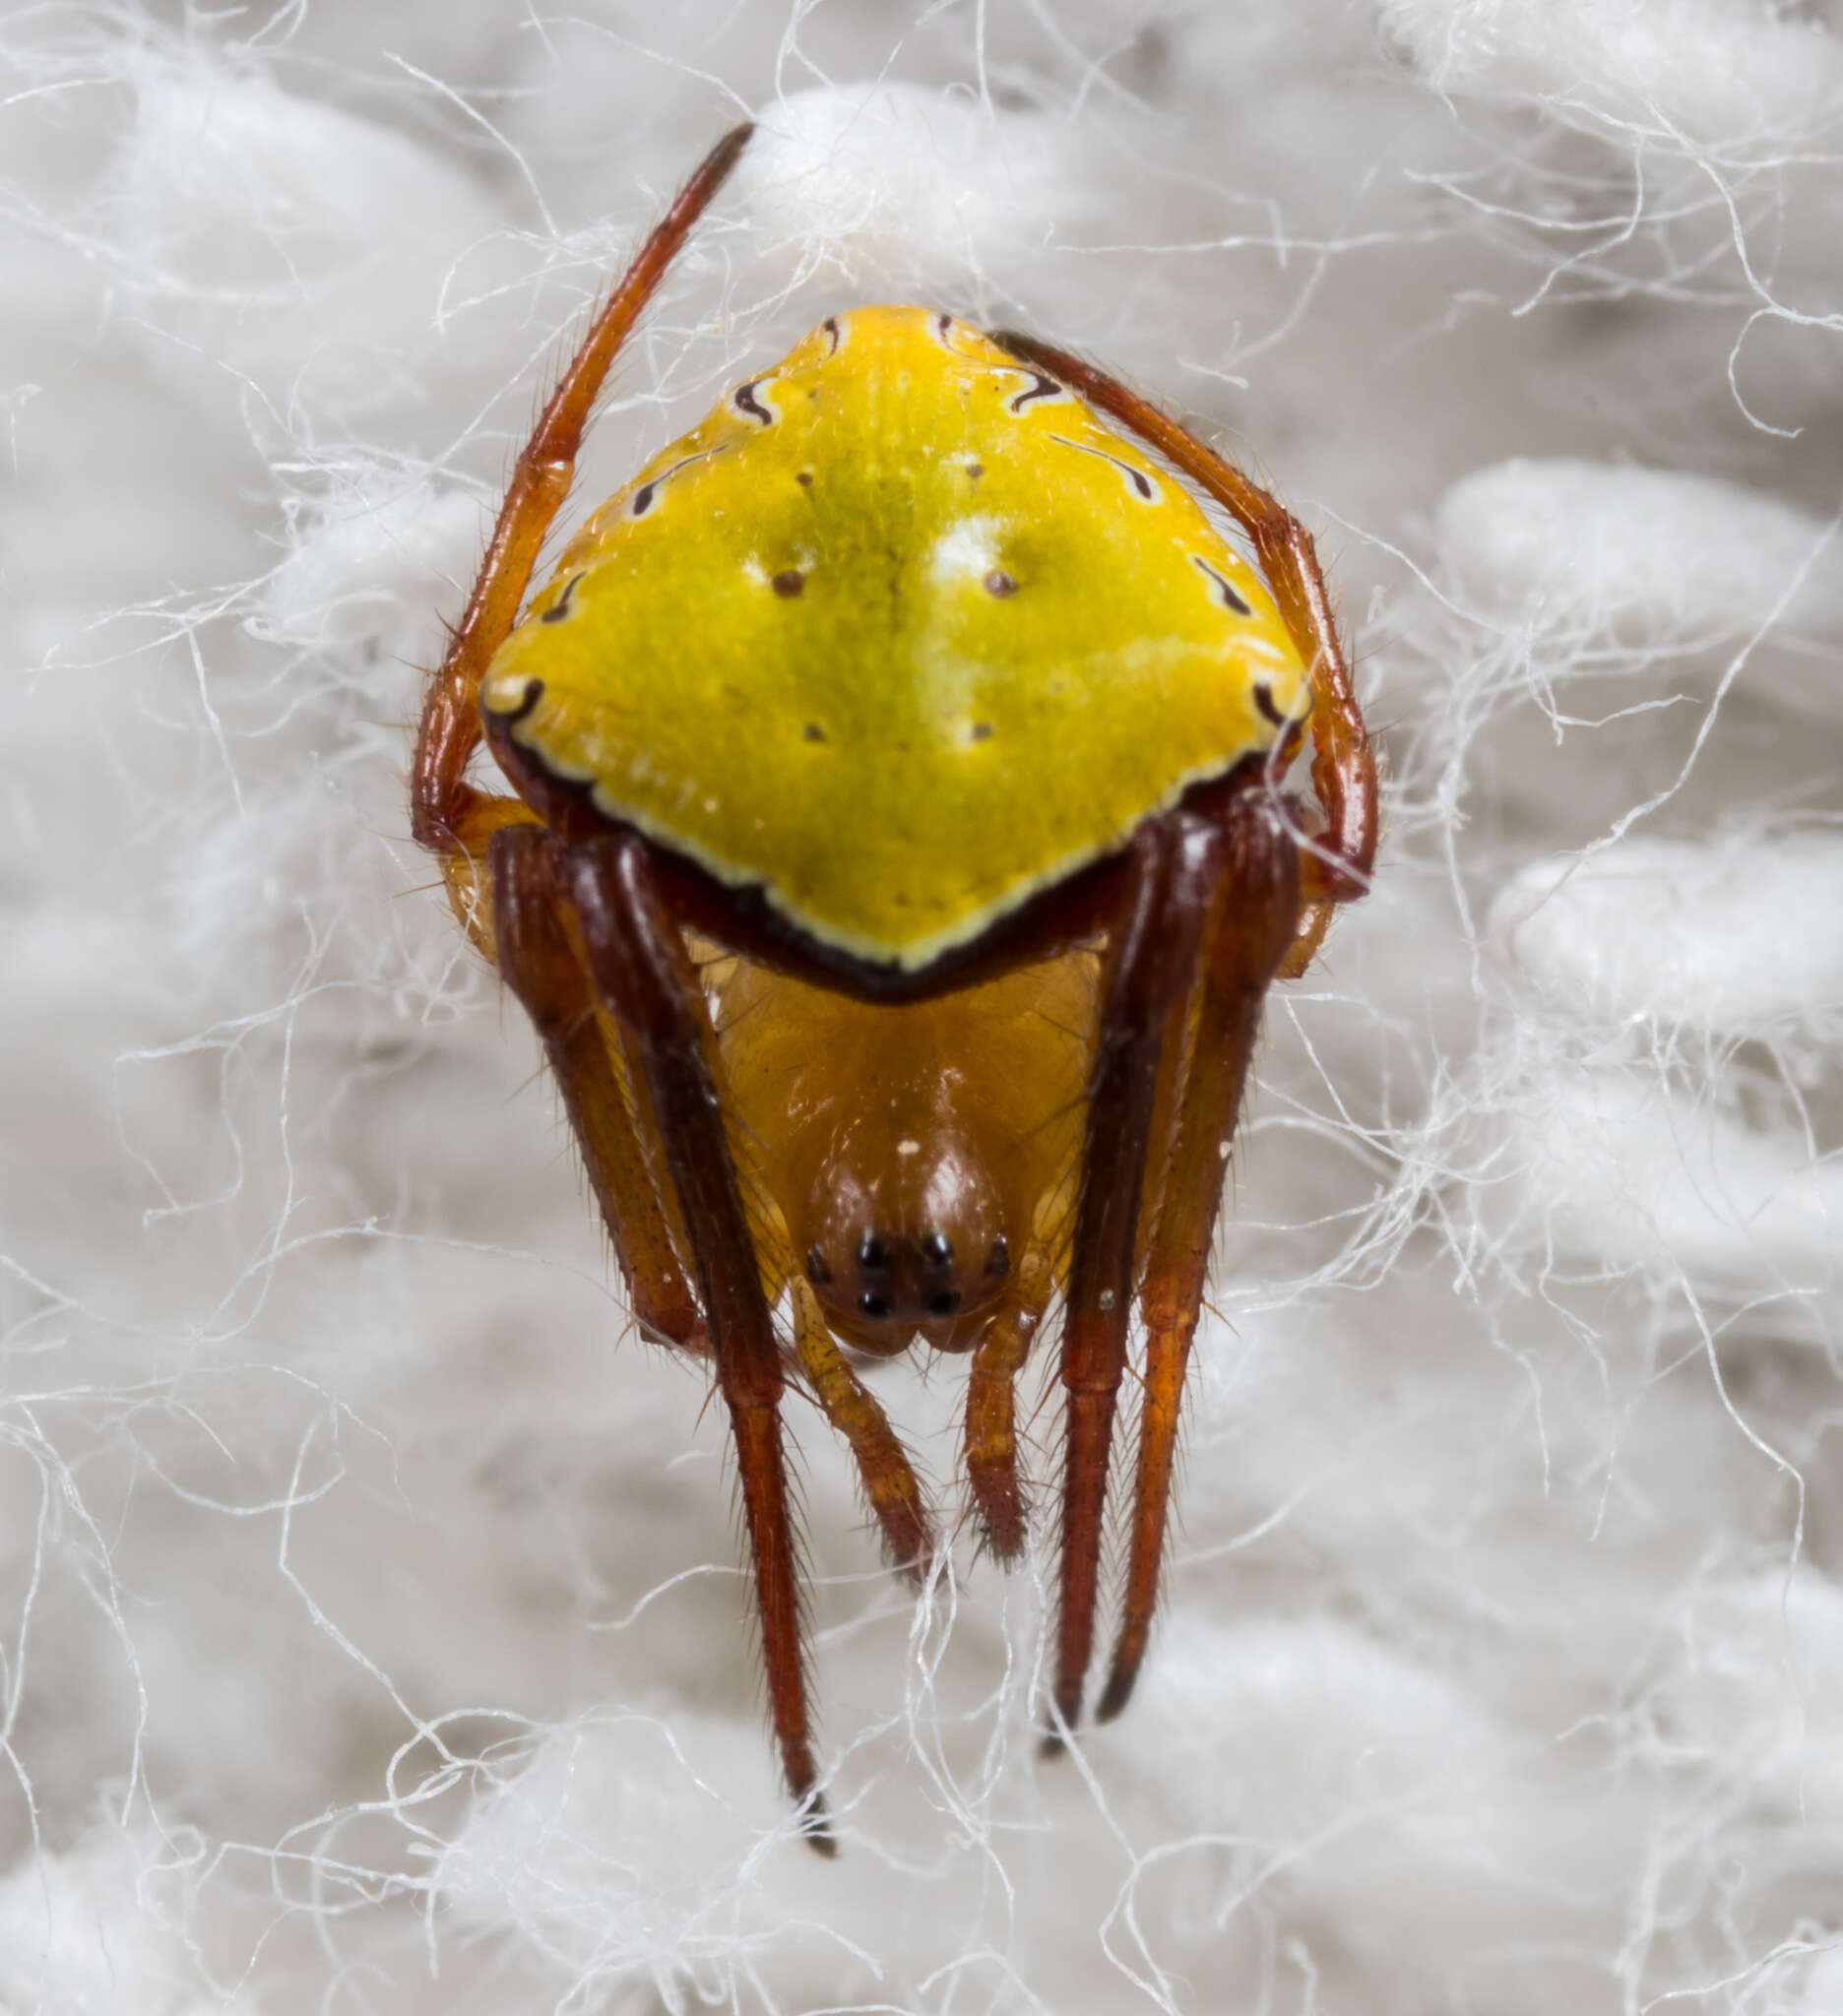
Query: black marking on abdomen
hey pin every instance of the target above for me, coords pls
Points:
(1142, 483)
(1264, 700)
(744, 401)
(943, 329)
(560, 608)
(831, 327)
(787, 582)
(1231, 600)
(643, 498)
(1041, 386)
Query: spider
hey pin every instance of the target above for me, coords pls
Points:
(898, 863)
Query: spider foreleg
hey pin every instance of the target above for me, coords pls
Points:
(1251, 926)
(889, 1479)
(450, 730)
(643, 973)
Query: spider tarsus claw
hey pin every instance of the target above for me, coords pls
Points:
(816, 1826)
(1067, 1711)
(1116, 1693)
(728, 147)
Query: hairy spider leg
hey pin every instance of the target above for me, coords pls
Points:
(1339, 857)
(1173, 870)
(644, 975)
(889, 1480)
(1256, 916)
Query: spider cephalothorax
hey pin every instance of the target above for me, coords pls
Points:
(898, 866)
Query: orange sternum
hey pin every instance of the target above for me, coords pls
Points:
(911, 1153)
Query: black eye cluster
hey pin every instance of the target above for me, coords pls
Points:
(876, 1268)
(873, 1263)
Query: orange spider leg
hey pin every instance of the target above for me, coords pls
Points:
(447, 815)
(889, 1479)
(644, 975)
(1172, 869)
(991, 1405)
(1255, 924)
(1339, 858)
(544, 966)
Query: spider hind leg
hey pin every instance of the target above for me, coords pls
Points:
(1213, 904)
(1256, 919)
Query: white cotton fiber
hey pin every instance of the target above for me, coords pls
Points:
(1306, 1754)
(1751, 1683)
(358, 570)
(616, 1844)
(1673, 952)
(1625, 1167)
(903, 188)
(282, 238)
(1729, 73)
(101, 1932)
(1589, 551)
(1741, 936)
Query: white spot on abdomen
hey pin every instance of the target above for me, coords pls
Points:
(968, 551)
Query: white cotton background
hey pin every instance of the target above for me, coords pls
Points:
(370, 1631)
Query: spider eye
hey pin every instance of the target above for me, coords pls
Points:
(998, 1260)
(872, 1254)
(937, 1249)
(817, 1272)
(875, 1306)
(945, 1303)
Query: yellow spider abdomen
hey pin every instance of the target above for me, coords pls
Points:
(900, 635)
